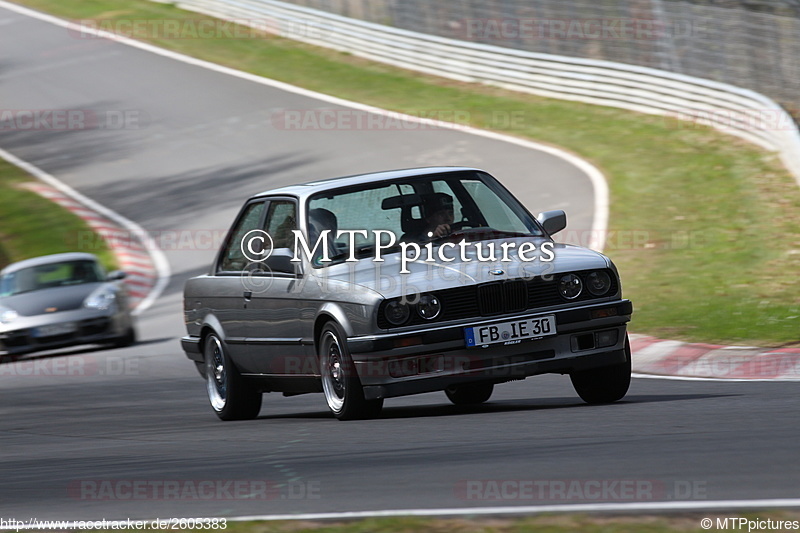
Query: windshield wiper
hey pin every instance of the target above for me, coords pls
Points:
(363, 251)
(480, 234)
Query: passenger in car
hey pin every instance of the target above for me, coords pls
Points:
(283, 236)
(320, 220)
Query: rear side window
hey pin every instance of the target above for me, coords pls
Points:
(232, 258)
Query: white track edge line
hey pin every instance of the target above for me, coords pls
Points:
(723, 380)
(159, 259)
(629, 507)
(537, 509)
(596, 177)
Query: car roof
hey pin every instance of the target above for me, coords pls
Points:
(48, 259)
(307, 189)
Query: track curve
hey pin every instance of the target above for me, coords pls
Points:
(204, 142)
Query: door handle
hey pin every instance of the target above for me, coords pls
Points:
(248, 295)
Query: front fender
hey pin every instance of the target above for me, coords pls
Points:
(210, 321)
(337, 313)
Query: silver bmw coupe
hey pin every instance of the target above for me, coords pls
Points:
(403, 282)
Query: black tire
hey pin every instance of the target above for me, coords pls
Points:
(230, 395)
(604, 385)
(128, 339)
(343, 390)
(470, 393)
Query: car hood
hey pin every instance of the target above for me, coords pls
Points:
(386, 279)
(61, 298)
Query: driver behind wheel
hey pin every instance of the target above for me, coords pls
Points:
(438, 210)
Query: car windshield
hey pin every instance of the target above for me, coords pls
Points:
(51, 275)
(453, 206)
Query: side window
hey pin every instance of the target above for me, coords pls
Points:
(232, 259)
(7, 285)
(281, 220)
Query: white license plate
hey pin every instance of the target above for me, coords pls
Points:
(53, 330)
(510, 332)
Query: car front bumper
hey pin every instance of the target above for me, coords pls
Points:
(82, 327)
(399, 364)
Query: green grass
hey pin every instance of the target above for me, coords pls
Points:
(718, 219)
(559, 523)
(31, 225)
(555, 523)
(539, 524)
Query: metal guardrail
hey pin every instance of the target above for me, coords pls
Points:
(748, 43)
(738, 111)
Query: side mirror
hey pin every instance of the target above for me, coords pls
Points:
(116, 275)
(553, 221)
(280, 261)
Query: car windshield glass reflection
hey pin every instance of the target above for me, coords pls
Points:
(470, 206)
(48, 276)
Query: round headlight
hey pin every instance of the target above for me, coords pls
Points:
(570, 286)
(429, 307)
(598, 283)
(7, 315)
(396, 312)
(101, 299)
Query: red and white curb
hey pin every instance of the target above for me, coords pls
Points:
(147, 267)
(658, 357)
(130, 252)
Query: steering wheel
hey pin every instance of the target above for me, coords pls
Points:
(458, 226)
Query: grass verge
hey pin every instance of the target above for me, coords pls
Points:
(31, 225)
(557, 523)
(560, 523)
(705, 228)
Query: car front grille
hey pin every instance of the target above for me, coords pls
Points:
(501, 297)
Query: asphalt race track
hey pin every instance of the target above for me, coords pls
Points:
(81, 429)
